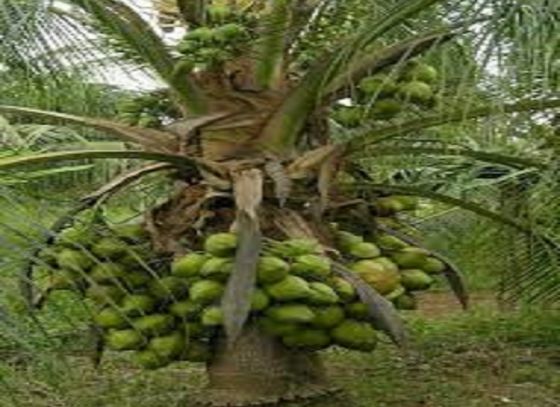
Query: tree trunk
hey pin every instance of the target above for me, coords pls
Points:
(258, 370)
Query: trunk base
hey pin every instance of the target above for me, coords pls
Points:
(259, 371)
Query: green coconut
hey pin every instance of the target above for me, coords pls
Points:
(386, 109)
(105, 294)
(229, 33)
(74, 260)
(358, 310)
(433, 266)
(410, 257)
(364, 250)
(349, 116)
(109, 248)
(206, 291)
(405, 302)
(202, 34)
(212, 316)
(416, 92)
(155, 324)
(309, 339)
(377, 276)
(136, 279)
(259, 300)
(168, 346)
(64, 280)
(327, 317)
(137, 304)
(221, 244)
(421, 72)
(345, 240)
(188, 266)
(343, 288)
(294, 248)
(387, 263)
(355, 335)
(148, 359)
(107, 272)
(322, 294)
(397, 292)
(311, 266)
(271, 269)
(186, 309)
(167, 288)
(76, 237)
(291, 313)
(389, 242)
(127, 339)
(194, 329)
(131, 232)
(416, 280)
(289, 289)
(380, 84)
(388, 206)
(217, 268)
(110, 318)
(275, 328)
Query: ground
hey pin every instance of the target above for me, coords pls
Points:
(480, 358)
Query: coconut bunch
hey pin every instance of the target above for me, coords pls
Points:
(297, 299)
(144, 111)
(218, 41)
(394, 268)
(163, 310)
(385, 96)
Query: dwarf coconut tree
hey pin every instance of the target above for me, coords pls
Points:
(275, 242)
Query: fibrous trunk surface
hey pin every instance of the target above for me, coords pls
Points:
(258, 371)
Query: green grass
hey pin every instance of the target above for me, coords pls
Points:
(480, 358)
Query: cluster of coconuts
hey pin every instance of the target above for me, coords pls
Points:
(217, 41)
(144, 111)
(162, 310)
(297, 299)
(390, 94)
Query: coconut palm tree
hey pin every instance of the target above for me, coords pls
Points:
(280, 111)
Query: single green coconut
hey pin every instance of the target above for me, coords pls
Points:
(212, 316)
(416, 280)
(155, 324)
(110, 318)
(206, 291)
(168, 288)
(327, 317)
(217, 268)
(309, 339)
(291, 313)
(186, 309)
(137, 304)
(271, 269)
(127, 339)
(311, 266)
(168, 346)
(364, 250)
(107, 272)
(189, 265)
(355, 335)
(416, 92)
(343, 288)
(221, 244)
(289, 289)
(322, 294)
(74, 260)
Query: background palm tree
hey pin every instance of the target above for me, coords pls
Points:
(270, 111)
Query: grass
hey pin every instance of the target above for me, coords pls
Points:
(480, 358)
